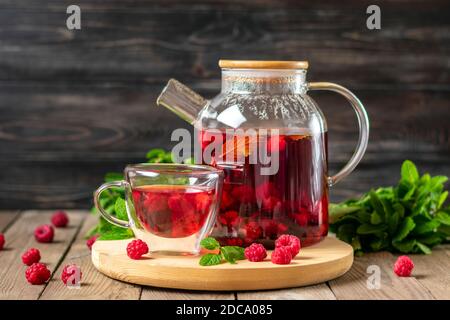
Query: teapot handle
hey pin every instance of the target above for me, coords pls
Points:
(363, 122)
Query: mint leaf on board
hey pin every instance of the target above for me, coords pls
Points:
(232, 253)
(210, 259)
(210, 243)
(228, 253)
(410, 217)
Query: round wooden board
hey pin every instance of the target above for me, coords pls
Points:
(324, 261)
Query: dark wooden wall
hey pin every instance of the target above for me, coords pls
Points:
(76, 104)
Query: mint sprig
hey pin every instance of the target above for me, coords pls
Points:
(407, 218)
(228, 253)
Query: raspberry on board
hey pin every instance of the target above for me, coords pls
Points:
(136, 249)
(60, 219)
(403, 266)
(281, 255)
(2, 241)
(71, 275)
(255, 252)
(44, 233)
(289, 241)
(31, 256)
(37, 273)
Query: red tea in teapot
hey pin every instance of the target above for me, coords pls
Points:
(172, 211)
(259, 208)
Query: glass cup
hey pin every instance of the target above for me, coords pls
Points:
(171, 207)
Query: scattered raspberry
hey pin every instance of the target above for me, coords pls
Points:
(71, 274)
(2, 241)
(37, 273)
(44, 233)
(253, 229)
(281, 255)
(403, 266)
(60, 219)
(31, 256)
(136, 249)
(256, 252)
(90, 242)
(289, 241)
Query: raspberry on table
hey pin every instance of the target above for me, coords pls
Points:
(2, 241)
(281, 255)
(37, 273)
(136, 249)
(31, 256)
(90, 242)
(289, 241)
(71, 274)
(255, 252)
(44, 233)
(60, 219)
(403, 266)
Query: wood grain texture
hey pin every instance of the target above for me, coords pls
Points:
(316, 292)
(151, 293)
(76, 104)
(7, 218)
(94, 285)
(13, 284)
(315, 264)
(433, 272)
(353, 284)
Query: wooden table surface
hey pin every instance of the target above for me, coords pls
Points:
(431, 278)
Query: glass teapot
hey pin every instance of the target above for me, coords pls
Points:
(263, 115)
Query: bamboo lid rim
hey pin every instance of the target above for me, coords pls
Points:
(262, 64)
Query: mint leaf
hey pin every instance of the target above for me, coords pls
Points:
(370, 229)
(210, 243)
(423, 248)
(210, 259)
(375, 218)
(377, 205)
(408, 217)
(404, 246)
(159, 156)
(113, 176)
(442, 199)
(405, 228)
(409, 172)
(120, 209)
(443, 218)
(117, 234)
(426, 227)
(232, 253)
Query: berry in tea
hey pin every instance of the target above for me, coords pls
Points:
(172, 211)
(259, 208)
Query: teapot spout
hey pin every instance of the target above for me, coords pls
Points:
(181, 100)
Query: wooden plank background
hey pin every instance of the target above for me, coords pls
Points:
(76, 104)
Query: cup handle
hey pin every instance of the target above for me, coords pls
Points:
(363, 122)
(108, 217)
